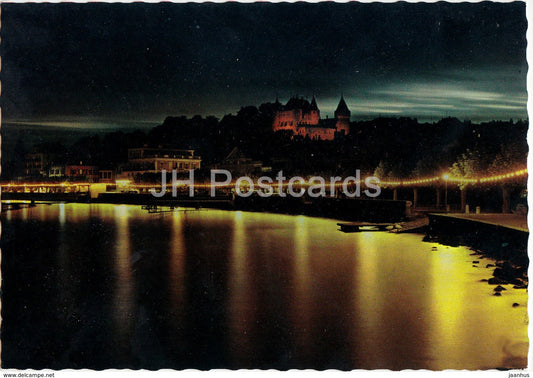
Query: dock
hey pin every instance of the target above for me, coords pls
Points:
(364, 226)
(158, 209)
(512, 221)
(412, 225)
(501, 236)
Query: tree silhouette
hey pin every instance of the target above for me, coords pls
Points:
(512, 157)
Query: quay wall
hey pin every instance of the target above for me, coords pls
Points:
(497, 241)
(58, 197)
(348, 209)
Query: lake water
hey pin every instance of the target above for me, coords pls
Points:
(111, 286)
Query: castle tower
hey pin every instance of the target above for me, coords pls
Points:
(342, 115)
(313, 117)
(301, 118)
(313, 103)
(277, 104)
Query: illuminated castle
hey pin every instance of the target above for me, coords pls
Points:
(303, 118)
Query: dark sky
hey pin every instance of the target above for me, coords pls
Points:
(100, 64)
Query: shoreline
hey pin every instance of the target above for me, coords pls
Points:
(342, 209)
(506, 245)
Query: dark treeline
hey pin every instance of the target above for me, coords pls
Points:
(394, 147)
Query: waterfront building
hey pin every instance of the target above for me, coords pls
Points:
(56, 171)
(106, 175)
(301, 117)
(36, 163)
(43, 162)
(154, 160)
(82, 172)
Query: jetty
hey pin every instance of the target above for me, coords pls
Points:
(158, 209)
(515, 222)
(364, 226)
(501, 236)
(411, 225)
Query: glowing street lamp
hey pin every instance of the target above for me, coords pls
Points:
(446, 177)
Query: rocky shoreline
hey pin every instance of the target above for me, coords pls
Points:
(509, 270)
(505, 273)
(508, 247)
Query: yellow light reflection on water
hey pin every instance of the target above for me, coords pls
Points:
(461, 318)
(241, 297)
(25, 212)
(107, 211)
(391, 301)
(368, 303)
(123, 297)
(78, 212)
(177, 270)
(42, 211)
(62, 216)
(448, 299)
(302, 300)
(67, 289)
(424, 303)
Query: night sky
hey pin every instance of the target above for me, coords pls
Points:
(88, 65)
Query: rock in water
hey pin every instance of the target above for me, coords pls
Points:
(496, 281)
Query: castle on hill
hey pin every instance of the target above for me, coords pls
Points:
(303, 118)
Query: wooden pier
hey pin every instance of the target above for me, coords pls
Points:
(158, 209)
(364, 226)
(413, 225)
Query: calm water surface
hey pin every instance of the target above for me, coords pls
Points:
(102, 286)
